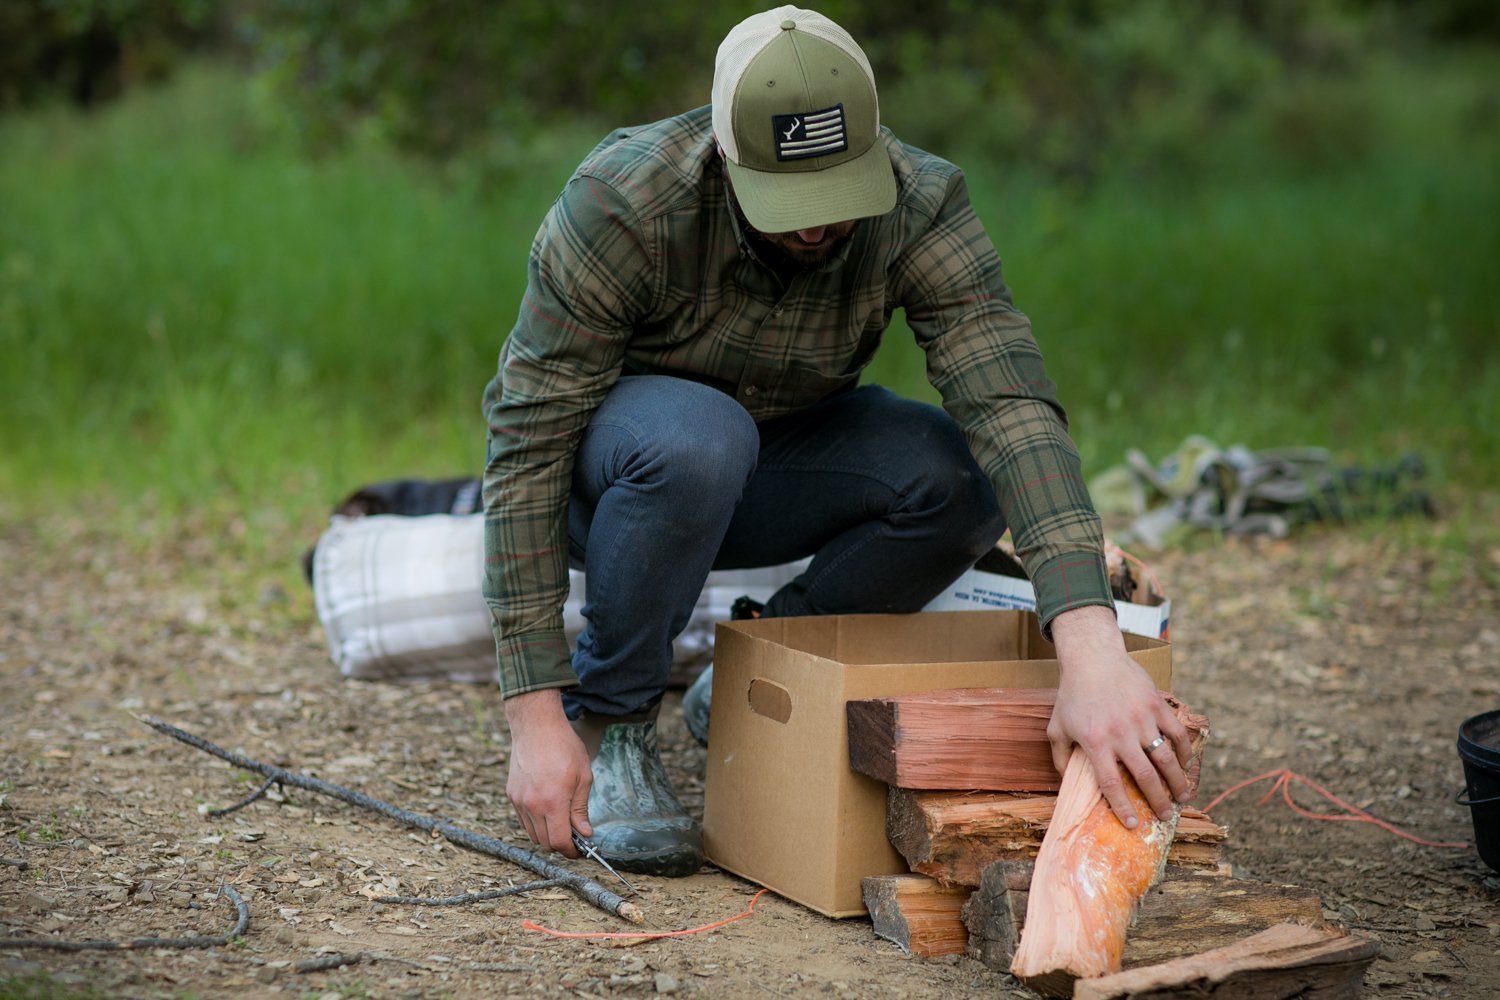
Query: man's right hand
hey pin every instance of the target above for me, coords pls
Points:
(549, 771)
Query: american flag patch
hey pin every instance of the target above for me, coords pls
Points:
(814, 133)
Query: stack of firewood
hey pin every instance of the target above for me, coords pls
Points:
(972, 795)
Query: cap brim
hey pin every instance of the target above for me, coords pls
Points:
(785, 201)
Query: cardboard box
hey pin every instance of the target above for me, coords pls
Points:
(977, 590)
(781, 805)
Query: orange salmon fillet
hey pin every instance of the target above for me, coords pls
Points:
(1090, 875)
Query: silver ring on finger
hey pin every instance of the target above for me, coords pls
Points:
(1160, 739)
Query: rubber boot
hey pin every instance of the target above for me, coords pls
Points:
(695, 704)
(639, 824)
(699, 695)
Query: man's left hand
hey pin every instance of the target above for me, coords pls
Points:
(1109, 706)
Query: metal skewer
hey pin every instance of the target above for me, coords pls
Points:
(591, 851)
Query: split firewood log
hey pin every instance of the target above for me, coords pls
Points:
(1090, 874)
(1281, 962)
(972, 738)
(919, 914)
(954, 836)
(1189, 911)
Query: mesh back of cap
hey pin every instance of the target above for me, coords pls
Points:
(747, 39)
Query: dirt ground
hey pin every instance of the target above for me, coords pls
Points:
(1335, 654)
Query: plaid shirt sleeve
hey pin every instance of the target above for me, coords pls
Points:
(982, 358)
(589, 277)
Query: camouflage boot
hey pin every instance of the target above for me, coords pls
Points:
(639, 825)
(695, 703)
(699, 695)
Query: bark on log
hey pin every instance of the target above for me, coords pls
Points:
(980, 738)
(1287, 960)
(996, 912)
(917, 913)
(954, 836)
(1187, 912)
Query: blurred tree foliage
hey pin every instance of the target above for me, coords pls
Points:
(1063, 85)
(88, 51)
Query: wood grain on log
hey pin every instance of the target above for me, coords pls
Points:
(1091, 873)
(917, 913)
(980, 738)
(954, 836)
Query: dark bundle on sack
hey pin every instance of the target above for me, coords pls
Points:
(406, 498)
(413, 498)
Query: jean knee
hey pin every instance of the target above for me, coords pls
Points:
(986, 520)
(708, 456)
(948, 484)
(704, 443)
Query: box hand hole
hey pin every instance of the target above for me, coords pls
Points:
(770, 700)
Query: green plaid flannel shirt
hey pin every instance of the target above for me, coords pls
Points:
(640, 266)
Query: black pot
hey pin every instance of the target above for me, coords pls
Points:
(1479, 746)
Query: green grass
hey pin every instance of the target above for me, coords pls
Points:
(43, 986)
(195, 317)
(1350, 305)
(189, 315)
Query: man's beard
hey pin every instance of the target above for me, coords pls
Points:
(784, 251)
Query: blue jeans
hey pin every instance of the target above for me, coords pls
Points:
(673, 479)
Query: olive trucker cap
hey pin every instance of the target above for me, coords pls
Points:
(795, 111)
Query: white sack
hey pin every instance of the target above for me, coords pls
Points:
(400, 599)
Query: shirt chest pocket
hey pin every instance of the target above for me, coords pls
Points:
(836, 352)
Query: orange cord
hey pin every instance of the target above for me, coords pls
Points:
(1284, 779)
(637, 935)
